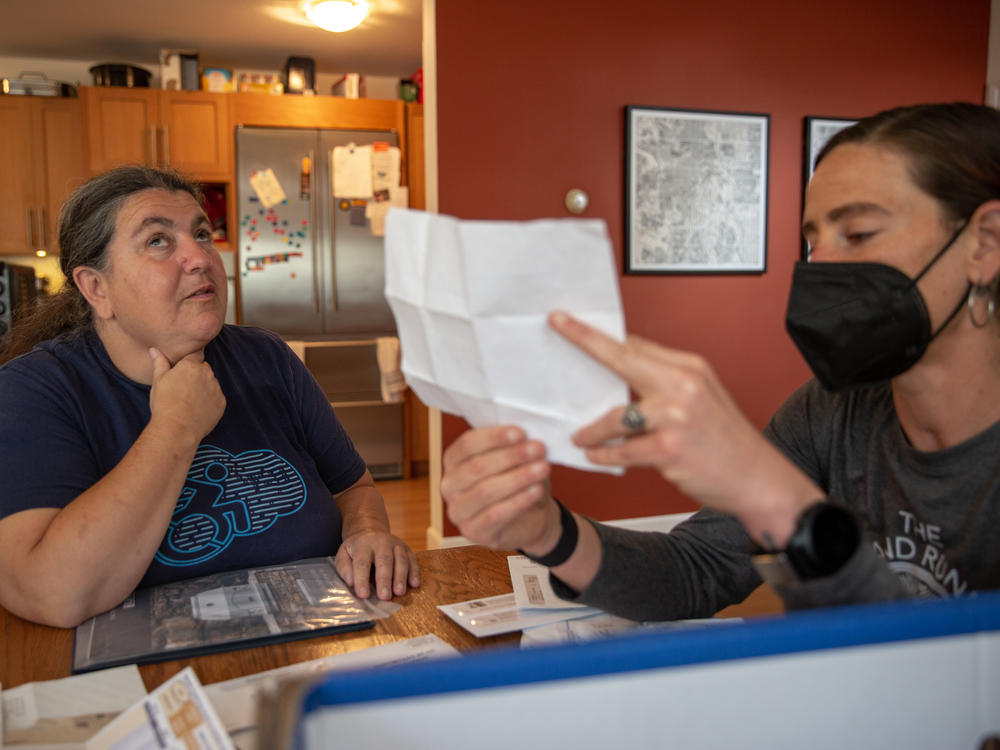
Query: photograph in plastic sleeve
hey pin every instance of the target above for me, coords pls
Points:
(223, 611)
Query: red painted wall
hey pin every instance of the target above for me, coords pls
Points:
(530, 104)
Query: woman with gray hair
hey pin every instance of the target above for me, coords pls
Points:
(144, 441)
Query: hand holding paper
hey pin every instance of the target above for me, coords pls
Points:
(470, 300)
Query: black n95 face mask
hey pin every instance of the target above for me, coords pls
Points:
(858, 323)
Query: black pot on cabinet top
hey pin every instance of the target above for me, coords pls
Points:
(119, 74)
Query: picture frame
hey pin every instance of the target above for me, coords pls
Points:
(696, 191)
(816, 131)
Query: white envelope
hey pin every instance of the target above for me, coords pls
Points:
(470, 300)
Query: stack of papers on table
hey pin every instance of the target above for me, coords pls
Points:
(110, 710)
(544, 618)
(69, 711)
(532, 604)
(602, 625)
(258, 710)
(176, 716)
(471, 299)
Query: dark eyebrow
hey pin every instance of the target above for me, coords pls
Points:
(847, 211)
(151, 220)
(199, 221)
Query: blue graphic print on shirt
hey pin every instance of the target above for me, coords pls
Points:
(226, 497)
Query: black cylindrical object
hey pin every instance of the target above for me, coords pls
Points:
(120, 74)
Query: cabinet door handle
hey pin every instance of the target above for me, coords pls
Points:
(42, 228)
(29, 226)
(166, 145)
(312, 234)
(153, 157)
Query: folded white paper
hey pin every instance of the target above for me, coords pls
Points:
(471, 299)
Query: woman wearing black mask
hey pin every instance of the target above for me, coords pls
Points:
(876, 480)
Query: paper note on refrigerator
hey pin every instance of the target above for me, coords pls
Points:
(376, 210)
(385, 166)
(265, 184)
(351, 171)
(471, 300)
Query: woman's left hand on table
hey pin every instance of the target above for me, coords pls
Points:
(394, 563)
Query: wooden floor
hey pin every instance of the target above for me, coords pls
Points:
(408, 503)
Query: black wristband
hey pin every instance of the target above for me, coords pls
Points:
(567, 541)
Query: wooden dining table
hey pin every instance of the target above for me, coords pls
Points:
(32, 652)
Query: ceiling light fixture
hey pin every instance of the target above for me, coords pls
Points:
(337, 15)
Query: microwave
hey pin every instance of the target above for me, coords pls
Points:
(17, 291)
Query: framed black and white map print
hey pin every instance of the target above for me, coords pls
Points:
(695, 191)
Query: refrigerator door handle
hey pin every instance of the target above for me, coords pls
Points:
(29, 227)
(331, 211)
(312, 234)
(42, 233)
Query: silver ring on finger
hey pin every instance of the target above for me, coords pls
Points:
(633, 420)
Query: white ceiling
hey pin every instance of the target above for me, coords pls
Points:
(248, 34)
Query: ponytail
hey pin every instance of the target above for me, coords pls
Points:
(64, 311)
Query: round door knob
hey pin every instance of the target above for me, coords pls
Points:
(577, 201)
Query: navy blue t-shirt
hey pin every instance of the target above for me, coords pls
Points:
(259, 490)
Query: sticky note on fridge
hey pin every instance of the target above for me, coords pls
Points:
(377, 209)
(375, 212)
(267, 187)
(351, 171)
(385, 167)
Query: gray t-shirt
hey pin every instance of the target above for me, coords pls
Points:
(929, 519)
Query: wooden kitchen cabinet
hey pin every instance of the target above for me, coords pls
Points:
(190, 131)
(415, 154)
(290, 111)
(198, 133)
(416, 413)
(40, 164)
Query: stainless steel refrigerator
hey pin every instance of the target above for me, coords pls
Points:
(311, 269)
